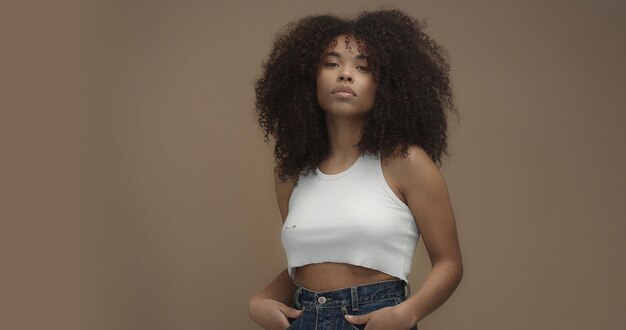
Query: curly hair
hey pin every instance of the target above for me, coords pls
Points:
(412, 97)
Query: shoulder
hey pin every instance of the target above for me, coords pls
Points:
(416, 162)
(414, 173)
(283, 190)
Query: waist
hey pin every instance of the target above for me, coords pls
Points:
(352, 296)
(327, 276)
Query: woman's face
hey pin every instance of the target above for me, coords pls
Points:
(345, 85)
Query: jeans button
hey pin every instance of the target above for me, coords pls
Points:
(321, 300)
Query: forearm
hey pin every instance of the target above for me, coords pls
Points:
(438, 286)
(280, 289)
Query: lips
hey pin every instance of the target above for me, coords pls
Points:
(344, 89)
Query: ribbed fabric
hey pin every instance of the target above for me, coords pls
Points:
(350, 217)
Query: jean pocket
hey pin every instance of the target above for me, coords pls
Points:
(356, 326)
(371, 307)
(295, 324)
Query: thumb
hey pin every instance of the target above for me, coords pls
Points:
(291, 312)
(358, 319)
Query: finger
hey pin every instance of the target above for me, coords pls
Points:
(291, 312)
(284, 324)
(358, 319)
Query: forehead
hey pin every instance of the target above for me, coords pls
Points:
(346, 44)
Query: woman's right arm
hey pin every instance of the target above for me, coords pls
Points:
(271, 307)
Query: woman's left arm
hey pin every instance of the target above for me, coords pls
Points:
(425, 191)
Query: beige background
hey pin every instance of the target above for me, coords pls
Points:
(180, 223)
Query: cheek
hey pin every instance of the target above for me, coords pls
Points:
(372, 93)
(319, 86)
(324, 79)
(372, 85)
(323, 86)
(321, 95)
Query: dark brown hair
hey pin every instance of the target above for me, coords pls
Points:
(412, 99)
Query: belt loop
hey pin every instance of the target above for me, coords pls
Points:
(407, 290)
(355, 298)
(296, 295)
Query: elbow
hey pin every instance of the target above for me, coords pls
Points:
(457, 265)
(459, 271)
(454, 268)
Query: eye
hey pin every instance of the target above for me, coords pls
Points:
(363, 68)
(330, 65)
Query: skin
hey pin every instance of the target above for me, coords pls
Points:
(415, 180)
(342, 66)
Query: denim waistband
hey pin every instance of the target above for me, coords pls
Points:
(352, 296)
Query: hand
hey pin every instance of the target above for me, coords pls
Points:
(271, 314)
(394, 317)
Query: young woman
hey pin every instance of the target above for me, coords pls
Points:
(358, 109)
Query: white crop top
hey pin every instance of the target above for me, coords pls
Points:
(350, 217)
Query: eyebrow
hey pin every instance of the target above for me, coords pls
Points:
(335, 54)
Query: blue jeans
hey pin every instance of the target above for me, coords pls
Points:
(325, 310)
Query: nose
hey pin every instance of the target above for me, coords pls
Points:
(345, 76)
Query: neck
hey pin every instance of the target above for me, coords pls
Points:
(344, 135)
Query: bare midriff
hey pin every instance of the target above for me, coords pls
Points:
(330, 276)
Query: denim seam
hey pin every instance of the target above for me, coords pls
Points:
(295, 297)
(355, 298)
(361, 304)
(377, 301)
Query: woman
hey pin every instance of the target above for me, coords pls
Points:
(358, 111)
